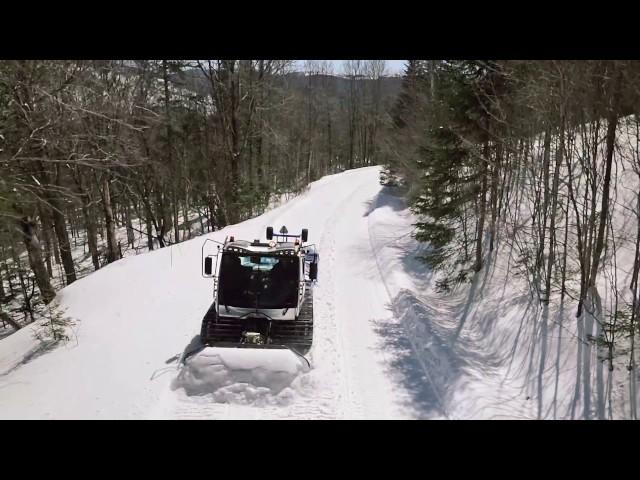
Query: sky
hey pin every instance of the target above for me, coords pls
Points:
(394, 67)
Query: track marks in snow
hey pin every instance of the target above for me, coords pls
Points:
(332, 331)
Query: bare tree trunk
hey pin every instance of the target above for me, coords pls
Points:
(131, 238)
(46, 234)
(148, 224)
(261, 101)
(235, 139)
(2, 293)
(554, 211)
(604, 209)
(112, 246)
(113, 193)
(329, 142)
(8, 273)
(90, 225)
(585, 238)
(56, 248)
(482, 208)
(185, 214)
(92, 235)
(60, 228)
(352, 119)
(32, 244)
(563, 289)
(176, 216)
(164, 217)
(26, 297)
(495, 176)
(542, 223)
(432, 79)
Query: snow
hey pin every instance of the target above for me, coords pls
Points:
(386, 344)
(17, 349)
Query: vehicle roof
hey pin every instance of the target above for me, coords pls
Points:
(240, 246)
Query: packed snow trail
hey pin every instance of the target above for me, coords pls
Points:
(135, 317)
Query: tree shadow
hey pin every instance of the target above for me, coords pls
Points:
(543, 356)
(560, 318)
(386, 197)
(524, 322)
(406, 369)
(543, 361)
(6, 331)
(475, 296)
(422, 358)
(411, 259)
(467, 307)
(42, 348)
(434, 341)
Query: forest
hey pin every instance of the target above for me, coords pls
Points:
(165, 150)
(537, 158)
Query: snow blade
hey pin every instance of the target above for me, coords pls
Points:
(270, 346)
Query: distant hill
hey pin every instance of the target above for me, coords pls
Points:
(390, 86)
(195, 80)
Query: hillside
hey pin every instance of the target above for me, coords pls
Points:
(386, 344)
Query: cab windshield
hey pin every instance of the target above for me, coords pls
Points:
(258, 281)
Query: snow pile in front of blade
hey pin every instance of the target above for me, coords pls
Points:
(242, 375)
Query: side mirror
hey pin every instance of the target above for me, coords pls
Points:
(305, 235)
(269, 233)
(313, 271)
(208, 266)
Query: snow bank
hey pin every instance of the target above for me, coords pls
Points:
(242, 375)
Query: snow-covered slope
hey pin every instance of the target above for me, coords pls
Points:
(385, 344)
